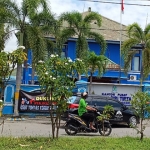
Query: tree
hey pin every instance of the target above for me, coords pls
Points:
(35, 36)
(53, 76)
(5, 71)
(18, 18)
(137, 37)
(4, 35)
(8, 62)
(95, 62)
(50, 26)
(60, 35)
(140, 102)
(82, 30)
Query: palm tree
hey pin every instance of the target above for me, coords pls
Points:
(137, 37)
(59, 34)
(95, 62)
(82, 29)
(18, 18)
(34, 36)
(44, 24)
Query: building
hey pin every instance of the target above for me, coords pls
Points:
(111, 31)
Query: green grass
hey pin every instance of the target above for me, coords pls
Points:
(74, 143)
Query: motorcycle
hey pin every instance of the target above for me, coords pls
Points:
(75, 124)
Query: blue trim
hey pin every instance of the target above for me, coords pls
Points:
(92, 40)
(89, 40)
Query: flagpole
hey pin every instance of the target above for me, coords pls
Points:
(121, 11)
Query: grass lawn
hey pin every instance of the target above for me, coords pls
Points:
(74, 143)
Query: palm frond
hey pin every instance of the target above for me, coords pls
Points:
(134, 31)
(30, 7)
(2, 41)
(147, 36)
(93, 16)
(96, 62)
(66, 33)
(43, 18)
(127, 45)
(81, 47)
(147, 45)
(146, 62)
(37, 43)
(127, 60)
(100, 40)
(50, 47)
(147, 29)
(10, 13)
(73, 18)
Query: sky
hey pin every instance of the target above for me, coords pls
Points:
(132, 13)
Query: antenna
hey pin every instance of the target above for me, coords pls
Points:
(83, 6)
(146, 20)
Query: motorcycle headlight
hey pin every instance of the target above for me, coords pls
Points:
(98, 113)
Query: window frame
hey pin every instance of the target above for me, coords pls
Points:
(101, 99)
(121, 105)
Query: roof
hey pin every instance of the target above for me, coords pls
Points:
(110, 29)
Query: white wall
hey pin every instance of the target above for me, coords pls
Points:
(122, 92)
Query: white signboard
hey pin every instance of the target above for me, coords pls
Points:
(120, 92)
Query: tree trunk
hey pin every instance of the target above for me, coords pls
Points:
(2, 86)
(79, 77)
(18, 80)
(51, 114)
(58, 125)
(141, 130)
(90, 86)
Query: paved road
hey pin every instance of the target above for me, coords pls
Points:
(42, 127)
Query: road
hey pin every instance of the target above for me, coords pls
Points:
(42, 127)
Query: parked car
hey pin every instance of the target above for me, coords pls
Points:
(122, 113)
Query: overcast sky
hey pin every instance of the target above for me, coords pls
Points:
(132, 13)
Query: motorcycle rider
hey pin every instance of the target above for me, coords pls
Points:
(84, 108)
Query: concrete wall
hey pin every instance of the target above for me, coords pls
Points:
(121, 92)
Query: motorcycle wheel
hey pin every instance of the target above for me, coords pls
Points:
(68, 130)
(106, 131)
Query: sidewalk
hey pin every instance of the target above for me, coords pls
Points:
(26, 126)
(27, 119)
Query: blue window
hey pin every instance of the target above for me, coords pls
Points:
(135, 63)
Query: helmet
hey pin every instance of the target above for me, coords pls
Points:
(84, 95)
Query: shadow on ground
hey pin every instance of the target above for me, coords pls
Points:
(119, 126)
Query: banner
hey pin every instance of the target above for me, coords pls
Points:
(33, 102)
